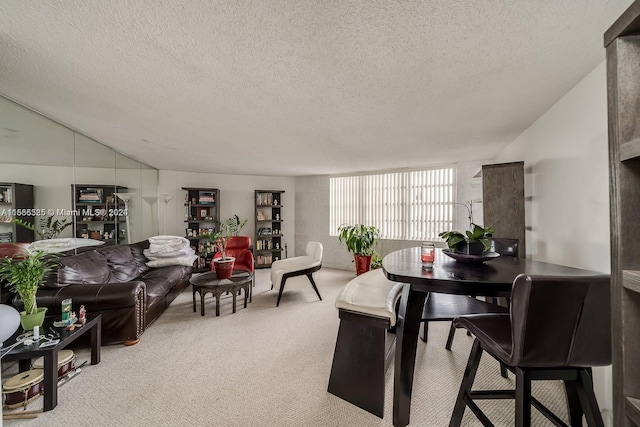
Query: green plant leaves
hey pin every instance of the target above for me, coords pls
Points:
(477, 233)
(25, 276)
(359, 239)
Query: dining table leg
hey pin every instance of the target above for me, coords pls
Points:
(408, 328)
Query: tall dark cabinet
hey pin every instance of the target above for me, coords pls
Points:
(503, 201)
(269, 216)
(622, 42)
(16, 202)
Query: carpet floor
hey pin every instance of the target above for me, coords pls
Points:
(262, 366)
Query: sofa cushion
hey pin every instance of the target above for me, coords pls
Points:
(86, 268)
(159, 280)
(121, 263)
(138, 255)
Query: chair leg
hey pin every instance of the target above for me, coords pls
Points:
(281, 289)
(452, 333)
(467, 382)
(503, 371)
(574, 406)
(315, 288)
(588, 398)
(425, 330)
(523, 398)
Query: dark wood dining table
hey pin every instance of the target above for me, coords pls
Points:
(493, 278)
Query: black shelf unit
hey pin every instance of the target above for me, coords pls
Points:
(202, 214)
(268, 227)
(99, 213)
(16, 202)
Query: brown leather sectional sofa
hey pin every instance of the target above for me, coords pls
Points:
(116, 282)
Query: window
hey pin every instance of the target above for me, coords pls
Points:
(411, 205)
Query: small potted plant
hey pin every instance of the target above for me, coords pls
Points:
(223, 265)
(25, 276)
(474, 242)
(360, 240)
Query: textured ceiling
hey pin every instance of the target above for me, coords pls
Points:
(298, 87)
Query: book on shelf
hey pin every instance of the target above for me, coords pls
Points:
(90, 195)
(264, 199)
(206, 197)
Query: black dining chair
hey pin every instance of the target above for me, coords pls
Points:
(446, 307)
(557, 329)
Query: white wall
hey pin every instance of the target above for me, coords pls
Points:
(567, 188)
(236, 198)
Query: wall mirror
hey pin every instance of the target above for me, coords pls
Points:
(106, 196)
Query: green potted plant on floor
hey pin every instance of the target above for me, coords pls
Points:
(25, 276)
(360, 240)
(219, 238)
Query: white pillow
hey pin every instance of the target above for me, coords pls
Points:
(163, 262)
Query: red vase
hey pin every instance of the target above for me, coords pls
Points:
(363, 263)
(224, 268)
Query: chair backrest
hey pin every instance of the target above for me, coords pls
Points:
(505, 247)
(239, 242)
(561, 321)
(314, 250)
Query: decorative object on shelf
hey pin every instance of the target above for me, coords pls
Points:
(260, 216)
(360, 240)
(25, 276)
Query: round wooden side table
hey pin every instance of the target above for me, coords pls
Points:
(209, 283)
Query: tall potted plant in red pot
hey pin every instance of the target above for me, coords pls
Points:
(360, 240)
(224, 265)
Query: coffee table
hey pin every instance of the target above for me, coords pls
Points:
(209, 283)
(24, 353)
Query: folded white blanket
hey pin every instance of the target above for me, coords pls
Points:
(61, 244)
(168, 253)
(166, 246)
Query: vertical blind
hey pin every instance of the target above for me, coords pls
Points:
(412, 205)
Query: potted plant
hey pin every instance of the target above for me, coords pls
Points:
(48, 228)
(235, 224)
(360, 240)
(25, 276)
(220, 238)
(473, 242)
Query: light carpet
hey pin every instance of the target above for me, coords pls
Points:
(262, 366)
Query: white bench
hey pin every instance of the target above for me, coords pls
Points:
(367, 309)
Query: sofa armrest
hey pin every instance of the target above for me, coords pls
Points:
(95, 298)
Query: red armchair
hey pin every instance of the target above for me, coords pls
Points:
(238, 247)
